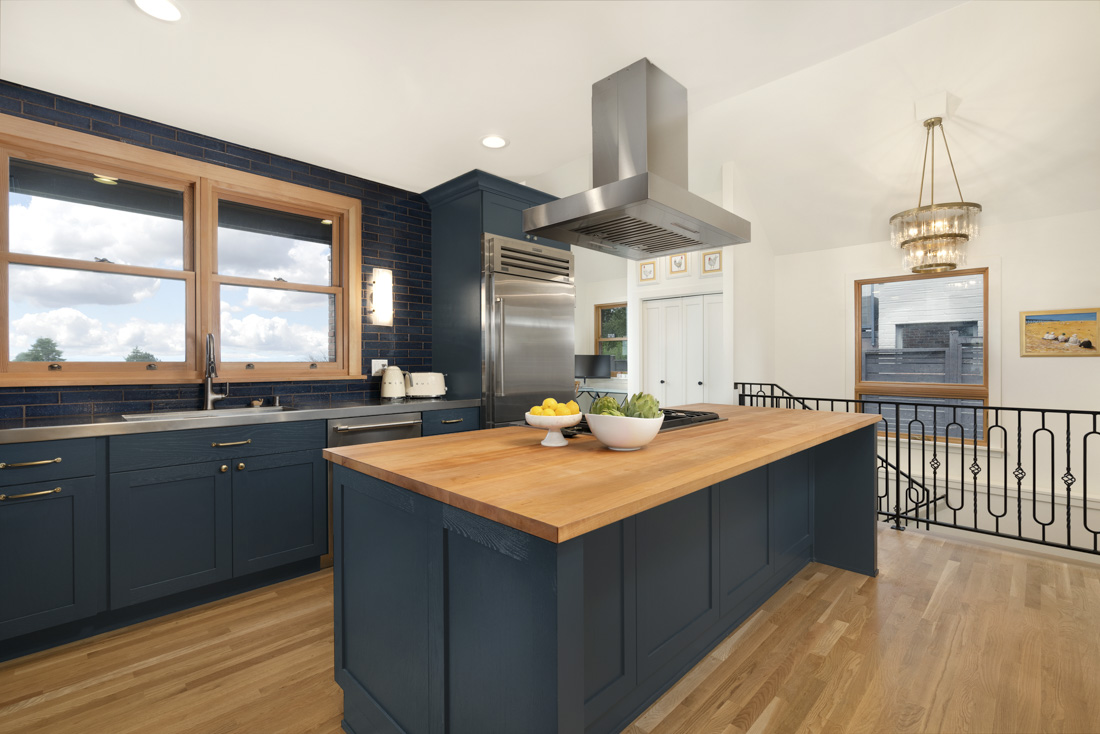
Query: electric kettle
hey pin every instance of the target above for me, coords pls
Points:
(393, 383)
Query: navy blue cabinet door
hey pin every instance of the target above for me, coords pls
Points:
(436, 422)
(745, 552)
(504, 216)
(170, 529)
(791, 508)
(48, 555)
(280, 510)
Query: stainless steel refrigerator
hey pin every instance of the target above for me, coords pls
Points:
(528, 301)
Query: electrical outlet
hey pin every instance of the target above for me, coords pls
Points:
(377, 365)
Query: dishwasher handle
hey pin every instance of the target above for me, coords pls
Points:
(373, 426)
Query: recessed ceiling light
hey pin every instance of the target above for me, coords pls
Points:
(326, 221)
(160, 9)
(100, 178)
(493, 141)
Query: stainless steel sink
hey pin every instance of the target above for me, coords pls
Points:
(200, 414)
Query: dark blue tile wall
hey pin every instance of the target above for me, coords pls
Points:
(397, 232)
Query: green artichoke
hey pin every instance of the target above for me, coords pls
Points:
(606, 406)
(642, 405)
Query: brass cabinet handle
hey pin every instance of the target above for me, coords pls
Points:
(28, 494)
(224, 469)
(31, 463)
(231, 443)
(240, 467)
(453, 420)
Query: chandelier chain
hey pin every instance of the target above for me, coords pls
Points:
(945, 147)
(923, 166)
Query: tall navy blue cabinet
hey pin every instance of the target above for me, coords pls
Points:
(463, 209)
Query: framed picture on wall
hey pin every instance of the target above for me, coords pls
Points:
(1069, 332)
(647, 271)
(712, 262)
(678, 265)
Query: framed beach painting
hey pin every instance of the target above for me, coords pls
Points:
(647, 271)
(1070, 332)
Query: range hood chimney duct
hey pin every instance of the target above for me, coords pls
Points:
(640, 206)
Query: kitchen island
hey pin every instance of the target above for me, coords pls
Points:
(485, 583)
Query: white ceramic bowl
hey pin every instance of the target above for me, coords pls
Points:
(554, 423)
(624, 434)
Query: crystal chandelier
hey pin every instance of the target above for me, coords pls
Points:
(934, 236)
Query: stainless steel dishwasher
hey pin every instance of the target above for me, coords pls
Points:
(365, 429)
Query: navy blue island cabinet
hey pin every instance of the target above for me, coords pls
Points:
(448, 621)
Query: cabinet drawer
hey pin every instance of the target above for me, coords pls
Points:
(148, 450)
(454, 420)
(44, 461)
(51, 553)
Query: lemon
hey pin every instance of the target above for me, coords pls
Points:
(573, 407)
(561, 409)
(537, 410)
(549, 403)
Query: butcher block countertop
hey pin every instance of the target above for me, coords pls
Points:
(556, 494)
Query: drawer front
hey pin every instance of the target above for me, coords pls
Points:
(454, 420)
(52, 555)
(149, 450)
(44, 461)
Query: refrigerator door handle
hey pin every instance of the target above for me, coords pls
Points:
(498, 363)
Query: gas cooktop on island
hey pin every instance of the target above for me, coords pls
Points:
(674, 420)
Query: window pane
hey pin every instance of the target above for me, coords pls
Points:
(613, 322)
(62, 213)
(269, 325)
(254, 242)
(617, 350)
(962, 421)
(926, 330)
(81, 316)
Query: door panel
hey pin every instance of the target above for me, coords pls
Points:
(717, 385)
(49, 553)
(673, 318)
(744, 533)
(279, 511)
(792, 511)
(653, 350)
(170, 531)
(694, 348)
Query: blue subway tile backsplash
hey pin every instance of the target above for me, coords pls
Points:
(396, 234)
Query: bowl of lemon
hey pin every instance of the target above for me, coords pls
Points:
(554, 416)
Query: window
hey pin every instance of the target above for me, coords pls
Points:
(113, 268)
(611, 335)
(922, 338)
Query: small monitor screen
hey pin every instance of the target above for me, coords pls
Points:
(592, 365)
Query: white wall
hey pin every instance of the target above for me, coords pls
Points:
(599, 278)
(1037, 264)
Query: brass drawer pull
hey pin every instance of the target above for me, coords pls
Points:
(453, 420)
(31, 463)
(28, 494)
(231, 443)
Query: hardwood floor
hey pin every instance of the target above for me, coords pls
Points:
(950, 637)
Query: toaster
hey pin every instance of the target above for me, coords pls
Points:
(425, 384)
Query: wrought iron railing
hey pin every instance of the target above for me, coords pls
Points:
(1019, 473)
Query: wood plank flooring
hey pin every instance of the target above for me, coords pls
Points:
(951, 637)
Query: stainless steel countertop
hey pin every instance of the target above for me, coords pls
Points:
(52, 429)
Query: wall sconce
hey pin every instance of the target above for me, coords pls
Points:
(380, 297)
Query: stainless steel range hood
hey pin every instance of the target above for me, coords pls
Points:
(640, 206)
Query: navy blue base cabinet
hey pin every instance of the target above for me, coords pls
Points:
(448, 622)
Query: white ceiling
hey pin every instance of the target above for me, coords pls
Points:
(812, 100)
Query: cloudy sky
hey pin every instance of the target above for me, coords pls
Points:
(102, 316)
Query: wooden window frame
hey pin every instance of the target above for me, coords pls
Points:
(201, 183)
(599, 330)
(918, 390)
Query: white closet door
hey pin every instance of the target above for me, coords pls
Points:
(653, 349)
(673, 347)
(715, 389)
(694, 349)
